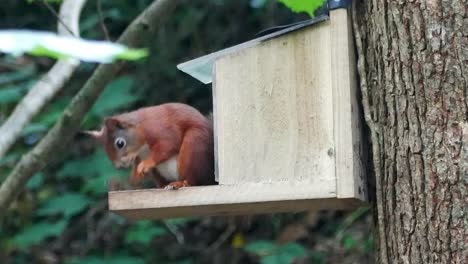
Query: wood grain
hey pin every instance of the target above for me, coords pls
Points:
(347, 129)
(274, 110)
(225, 200)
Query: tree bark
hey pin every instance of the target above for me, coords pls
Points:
(413, 67)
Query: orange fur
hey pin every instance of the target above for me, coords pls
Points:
(166, 130)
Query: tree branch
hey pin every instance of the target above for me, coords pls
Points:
(64, 7)
(49, 84)
(65, 128)
(101, 20)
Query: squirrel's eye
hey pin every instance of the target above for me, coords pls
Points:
(120, 143)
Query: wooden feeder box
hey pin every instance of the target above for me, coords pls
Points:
(287, 128)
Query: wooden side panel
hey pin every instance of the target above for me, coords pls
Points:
(348, 143)
(274, 111)
(215, 126)
(225, 200)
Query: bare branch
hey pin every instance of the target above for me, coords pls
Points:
(222, 238)
(69, 123)
(59, 19)
(101, 20)
(48, 85)
(179, 236)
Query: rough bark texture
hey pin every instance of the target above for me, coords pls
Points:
(413, 66)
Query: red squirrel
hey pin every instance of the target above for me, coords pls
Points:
(172, 141)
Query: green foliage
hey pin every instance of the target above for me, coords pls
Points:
(261, 247)
(53, 111)
(348, 242)
(89, 23)
(118, 259)
(307, 6)
(181, 221)
(50, 1)
(257, 3)
(368, 244)
(318, 257)
(143, 232)
(36, 181)
(116, 96)
(39, 43)
(10, 95)
(89, 166)
(67, 204)
(13, 93)
(271, 253)
(95, 170)
(22, 74)
(37, 232)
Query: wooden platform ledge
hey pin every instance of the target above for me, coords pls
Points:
(224, 200)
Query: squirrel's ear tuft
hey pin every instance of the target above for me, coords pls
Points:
(94, 133)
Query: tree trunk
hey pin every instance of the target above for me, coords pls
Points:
(413, 67)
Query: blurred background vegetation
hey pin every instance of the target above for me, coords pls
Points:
(62, 215)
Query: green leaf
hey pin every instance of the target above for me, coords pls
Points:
(94, 165)
(143, 232)
(53, 111)
(41, 43)
(185, 261)
(117, 95)
(50, 1)
(299, 6)
(125, 260)
(68, 204)
(261, 247)
(285, 254)
(46, 52)
(348, 242)
(318, 257)
(97, 185)
(368, 244)
(291, 251)
(272, 259)
(119, 259)
(90, 21)
(18, 75)
(13, 93)
(257, 3)
(10, 158)
(33, 129)
(48, 117)
(36, 181)
(180, 221)
(132, 55)
(38, 232)
(87, 260)
(97, 169)
(10, 95)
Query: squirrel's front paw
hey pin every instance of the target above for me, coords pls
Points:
(170, 187)
(176, 185)
(145, 166)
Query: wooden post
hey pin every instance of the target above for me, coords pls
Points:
(347, 129)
